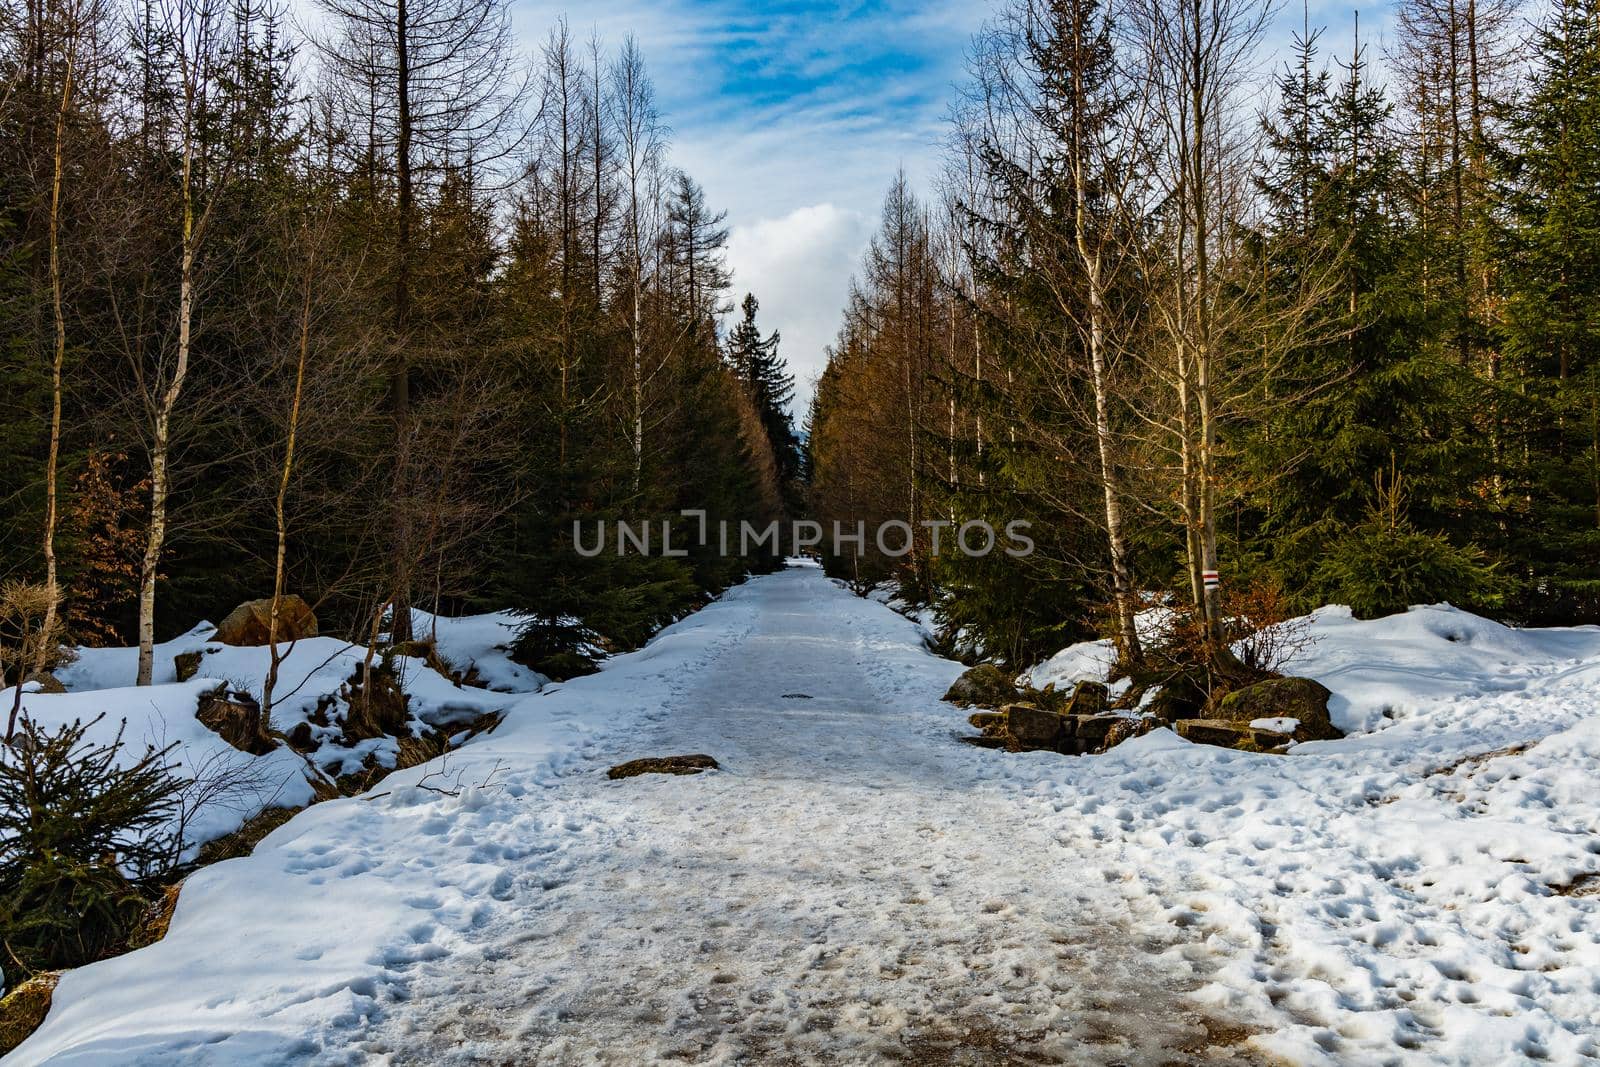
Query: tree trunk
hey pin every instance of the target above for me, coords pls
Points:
(161, 438)
(58, 358)
(401, 383)
(279, 511)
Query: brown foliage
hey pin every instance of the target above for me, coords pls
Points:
(1260, 628)
(106, 527)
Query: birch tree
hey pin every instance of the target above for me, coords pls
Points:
(1219, 330)
(641, 142)
(196, 29)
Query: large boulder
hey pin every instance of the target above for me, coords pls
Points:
(1034, 727)
(250, 623)
(986, 686)
(1304, 700)
(236, 718)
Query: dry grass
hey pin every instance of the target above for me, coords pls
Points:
(24, 1008)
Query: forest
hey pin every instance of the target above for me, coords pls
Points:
(1238, 357)
(368, 315)
(1264, 358)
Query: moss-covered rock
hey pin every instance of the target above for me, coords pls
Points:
(984, 686)
(22, 1010)
(1303, 699)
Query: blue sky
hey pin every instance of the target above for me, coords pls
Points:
(795, 116)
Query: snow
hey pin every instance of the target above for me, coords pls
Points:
(1393, 896)
(312, 671)
(1091, 661)
(113, 668)
(161, 715)
(1282, 724)
(855, 885)
(482, 642)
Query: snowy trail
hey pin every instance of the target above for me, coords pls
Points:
(853, 886)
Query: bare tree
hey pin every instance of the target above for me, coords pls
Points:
(436, 85)
(195, 28)
(641, 140)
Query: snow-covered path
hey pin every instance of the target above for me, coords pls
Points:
(855, 886)
(852, 886)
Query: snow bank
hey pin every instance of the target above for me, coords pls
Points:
(312, 672)
(1386, 669)
(1397, 896)
(1091, 661)
(481, 641)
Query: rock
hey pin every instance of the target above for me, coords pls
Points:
(1088, 698)
(1269, 737)
(47, 682)
(23, 1009)
(187, 664)
(250, 622)
(1304, 699)
(1091, 730)
(300, 738)
(1049, 698)
(236, 718)
(1216, 732)
(988, 721)
(1034, 727)
(663, 765)
(1126, 728)
(986, 686)
(1177, 698)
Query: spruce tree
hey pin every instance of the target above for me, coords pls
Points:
(756, 361)
(1552, 326)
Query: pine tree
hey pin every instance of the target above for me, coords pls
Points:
(763, 373)
(696, 241)
(1552, 326)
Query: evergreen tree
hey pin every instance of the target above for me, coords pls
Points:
(695, 243)
(1553, 314)
(762, 371)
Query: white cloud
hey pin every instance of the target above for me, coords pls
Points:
(799, 266)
